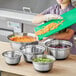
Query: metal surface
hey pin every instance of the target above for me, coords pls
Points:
(43, 67)
(12, 57)
(59, 53)
(74, 38)
(30, 50)
(17, 16)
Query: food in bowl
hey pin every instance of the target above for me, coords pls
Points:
(42, 60)
(23, 38)
(43, 63)
(60, 46)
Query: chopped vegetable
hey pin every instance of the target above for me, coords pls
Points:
(47, 28)
(42, 59)
(23, 38)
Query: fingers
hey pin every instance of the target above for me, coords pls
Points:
(38, 19)
(52, 16)
(57, 16)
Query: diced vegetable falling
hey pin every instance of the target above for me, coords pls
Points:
(47, 28)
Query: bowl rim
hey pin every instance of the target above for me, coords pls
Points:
(69, 43)
(42, 47)
(19, 55)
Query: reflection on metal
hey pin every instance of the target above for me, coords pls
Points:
(74, 39)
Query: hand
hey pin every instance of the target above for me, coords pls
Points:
(52, 16)
(38, 19)
(41, 18)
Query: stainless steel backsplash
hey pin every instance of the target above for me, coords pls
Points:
(36, 5)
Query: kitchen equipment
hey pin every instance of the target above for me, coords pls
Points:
(30, 50)
(16, 16)
(14, 21)
(43, 66)
(60, 49)
(12, 57)
(69, 19)
(18, 45)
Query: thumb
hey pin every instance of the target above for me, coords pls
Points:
(59, 17)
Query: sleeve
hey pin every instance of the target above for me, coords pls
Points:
(48, 10)
(73, 27)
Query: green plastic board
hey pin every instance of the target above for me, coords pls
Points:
(69, 19)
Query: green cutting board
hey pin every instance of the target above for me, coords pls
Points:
(69, 19)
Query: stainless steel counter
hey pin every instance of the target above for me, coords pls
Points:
(18, 16)
(61, 68)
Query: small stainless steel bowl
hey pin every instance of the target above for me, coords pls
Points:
(31, 50)
(43, 66)
(59, 52)
(12, 57)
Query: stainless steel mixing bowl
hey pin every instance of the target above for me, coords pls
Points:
(58, 52)
(18, 45)
(12, 57)
(43, 66)
(30, 50)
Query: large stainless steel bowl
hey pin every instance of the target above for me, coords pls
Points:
(59, 52)
(43, 66)
(12, 57)
(30, 50)
(18, 45)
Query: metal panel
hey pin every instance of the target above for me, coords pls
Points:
(36, 5)
(4, 34)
